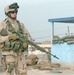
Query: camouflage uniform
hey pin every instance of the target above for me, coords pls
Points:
(12, 61)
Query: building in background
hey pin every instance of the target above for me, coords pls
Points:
(63, 47)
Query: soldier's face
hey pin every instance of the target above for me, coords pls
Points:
(13, 14)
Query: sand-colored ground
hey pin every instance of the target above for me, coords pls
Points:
(46, 72)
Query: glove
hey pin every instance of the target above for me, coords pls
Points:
(25, 45)
(13, 37)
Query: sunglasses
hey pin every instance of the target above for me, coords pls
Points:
(13, 12)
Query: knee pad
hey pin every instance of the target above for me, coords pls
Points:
(10, 68)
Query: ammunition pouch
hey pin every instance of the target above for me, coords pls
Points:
(16, 46)
(10, 68)
(13, 37)
(13, 45)
(25, 45)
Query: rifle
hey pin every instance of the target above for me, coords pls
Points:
(25, 39)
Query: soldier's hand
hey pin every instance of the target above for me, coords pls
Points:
(25, 45)
(13, 37)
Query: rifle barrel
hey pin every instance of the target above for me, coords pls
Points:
(25, 39)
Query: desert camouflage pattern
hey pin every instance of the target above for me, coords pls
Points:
(17, 59)
(7, 9)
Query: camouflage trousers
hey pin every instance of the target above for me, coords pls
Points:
(15, 64)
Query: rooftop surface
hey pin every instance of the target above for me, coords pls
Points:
(62, 20)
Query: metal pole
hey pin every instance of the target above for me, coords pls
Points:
(52, 33)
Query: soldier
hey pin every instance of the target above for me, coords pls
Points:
(13, 50)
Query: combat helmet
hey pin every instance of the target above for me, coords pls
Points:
(11, 7)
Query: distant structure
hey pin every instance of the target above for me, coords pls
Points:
(63, 47)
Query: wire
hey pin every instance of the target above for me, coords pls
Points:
(41, 31)
(42, 37)
(48, 30)
(60, 27)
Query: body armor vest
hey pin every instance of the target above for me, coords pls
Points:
(15, 45)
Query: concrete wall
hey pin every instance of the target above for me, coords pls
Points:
(64, 51)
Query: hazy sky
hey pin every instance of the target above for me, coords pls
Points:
(35, 14)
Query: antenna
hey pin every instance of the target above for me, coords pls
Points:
(68, 31)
